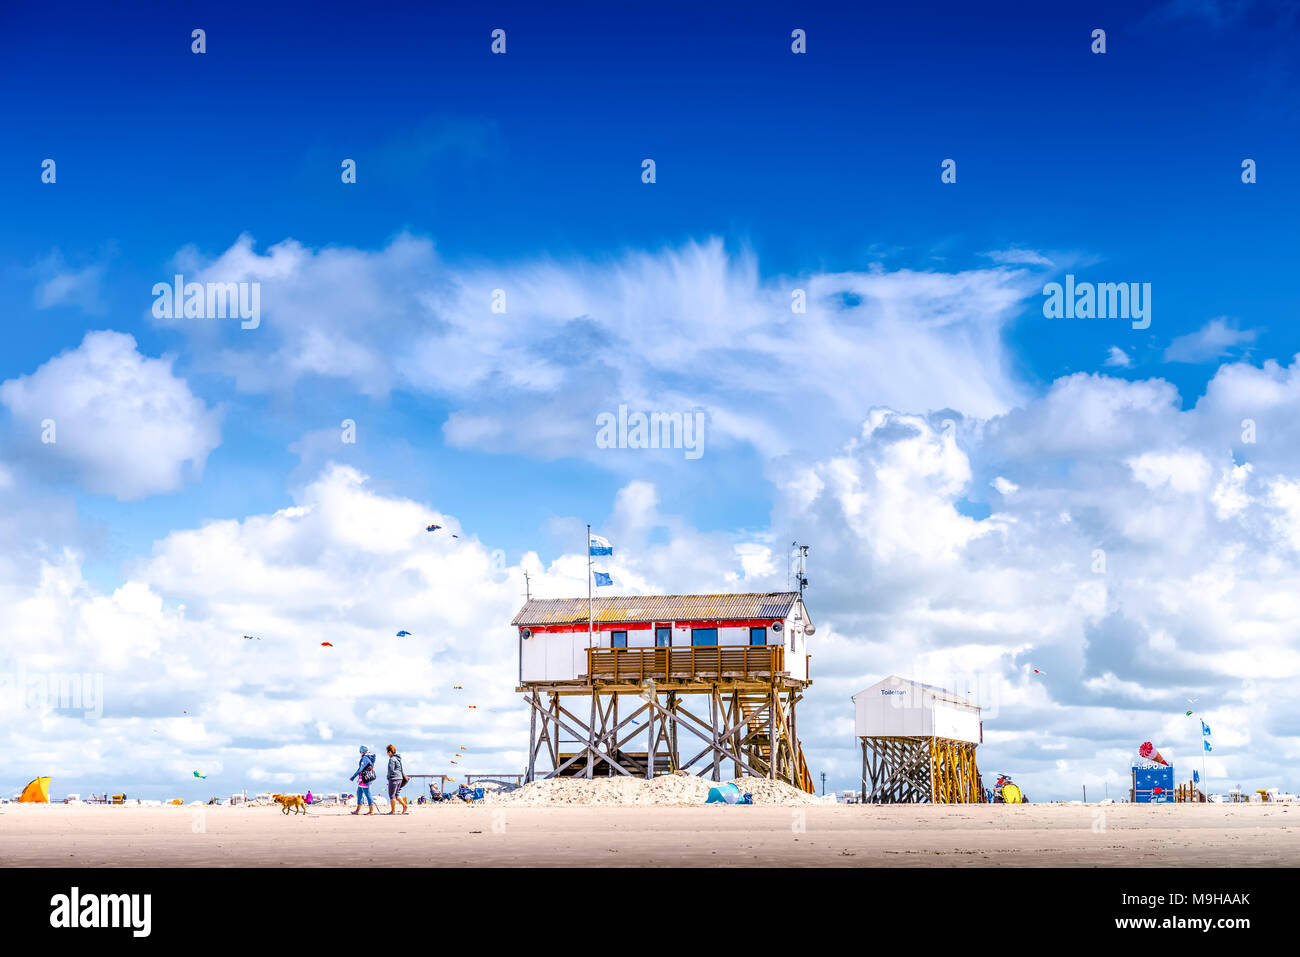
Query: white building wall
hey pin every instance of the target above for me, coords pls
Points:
(882, 711)
(956, 722)
(904, 709)
(733, 636)
(533, 665)
(796, 649)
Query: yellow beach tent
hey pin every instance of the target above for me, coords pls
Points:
(38, 792)
(1012, 794)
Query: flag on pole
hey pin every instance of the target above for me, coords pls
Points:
(1207, 746)
(601, 546)
(602, 578)
(1196, 776)
(1205, 729)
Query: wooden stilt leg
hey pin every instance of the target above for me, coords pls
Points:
(532, 738)
(713, 713)
(591, 737)
(771, 733)
(652, 743)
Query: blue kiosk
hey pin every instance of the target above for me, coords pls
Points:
(1153, 784)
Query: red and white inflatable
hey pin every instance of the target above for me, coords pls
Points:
(1151, 754)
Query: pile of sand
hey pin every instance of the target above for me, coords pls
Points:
(676, 789)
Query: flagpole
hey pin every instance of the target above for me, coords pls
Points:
(1205, 780)
(589, 615)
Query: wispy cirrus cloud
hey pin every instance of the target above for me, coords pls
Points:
(1015, 256)
(1215, 340)
(530, 352)
(60, 284)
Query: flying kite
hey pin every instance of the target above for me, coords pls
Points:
(403, 634)
(1037, 672)
(250, 638)
(433, 528)
(457, 687)
(326, 644)
(197, 775)
(1188, 713)
(454, 535)
(473, 706)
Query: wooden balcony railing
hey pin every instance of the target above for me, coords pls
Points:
(662, 664)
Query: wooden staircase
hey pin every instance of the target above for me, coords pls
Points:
(759, 742)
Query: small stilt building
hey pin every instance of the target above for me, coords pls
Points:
(918, 744)
(658, 684)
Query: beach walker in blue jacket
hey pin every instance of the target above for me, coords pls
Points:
(363, 775)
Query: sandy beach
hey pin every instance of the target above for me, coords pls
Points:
(538, 836)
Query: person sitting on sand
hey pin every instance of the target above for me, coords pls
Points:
(396, 779)
(364, 774)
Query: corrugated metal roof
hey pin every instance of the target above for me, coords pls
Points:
(635, 608)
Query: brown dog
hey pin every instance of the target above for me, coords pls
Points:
(291, 801)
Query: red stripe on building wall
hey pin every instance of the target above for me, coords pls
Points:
(570, 628)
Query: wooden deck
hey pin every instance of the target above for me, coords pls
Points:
(685, 664)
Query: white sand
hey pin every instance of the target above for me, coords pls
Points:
(514, 835)
(672, 789)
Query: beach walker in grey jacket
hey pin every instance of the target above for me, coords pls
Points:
(396, 780)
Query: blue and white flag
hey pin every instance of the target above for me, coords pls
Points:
(1205, 729)
(1207, 746)
(601, 546)
(603, 579)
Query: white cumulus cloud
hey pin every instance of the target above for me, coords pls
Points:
(119, 422)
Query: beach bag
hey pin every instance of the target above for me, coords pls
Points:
(406, 778)
(368, 774)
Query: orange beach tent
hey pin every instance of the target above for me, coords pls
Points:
(38, 792)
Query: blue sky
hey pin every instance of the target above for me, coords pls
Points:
(1128, 162)
(775, 171)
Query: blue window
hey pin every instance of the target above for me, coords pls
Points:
(618, 639)
(704, 637)
(663, 637)
(758, 636)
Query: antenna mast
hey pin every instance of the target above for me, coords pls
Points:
(800, 552)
